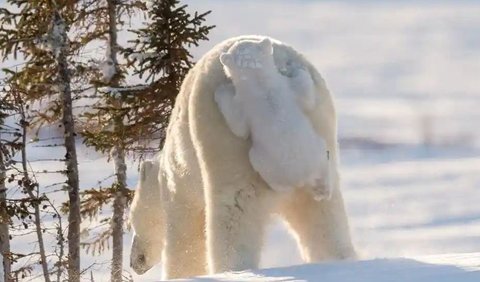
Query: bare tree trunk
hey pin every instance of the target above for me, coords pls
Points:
(35, 200)
(71, 160)
(4, 218)
(60, 242)
(118, 155)
(118, 214)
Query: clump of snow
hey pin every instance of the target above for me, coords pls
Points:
(143, 56)
(56, 38)
(117, 91)
(113, 91)
(107, 67)
(272, 110)
(67, 188)
(150, 4)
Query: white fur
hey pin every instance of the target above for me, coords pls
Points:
(216, 205)
(147, 218)
(271, 109)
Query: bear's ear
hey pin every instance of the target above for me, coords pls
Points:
(266, 46)
(226, 59)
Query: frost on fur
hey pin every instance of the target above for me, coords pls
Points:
(273, 110)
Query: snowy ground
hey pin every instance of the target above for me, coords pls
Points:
(445, 268)
(405, 79)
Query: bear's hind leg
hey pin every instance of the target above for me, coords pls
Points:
(236, 215)
(321, 227)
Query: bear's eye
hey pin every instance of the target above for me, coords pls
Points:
(141, 259)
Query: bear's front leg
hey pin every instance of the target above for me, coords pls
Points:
(185, 248)
(236, 215)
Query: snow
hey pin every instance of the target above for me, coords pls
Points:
(56, 39)
(286, 150)
(443, 268)
(144, 55)
(150, 4)
(57, 34)
(117, 91)
(107, 67)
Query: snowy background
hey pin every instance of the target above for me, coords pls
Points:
(405, 78)
(404, 75)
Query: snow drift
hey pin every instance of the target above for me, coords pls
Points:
(443, 268)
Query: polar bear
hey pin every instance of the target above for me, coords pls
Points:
(147, 219)
(270, 108)
(215, 205)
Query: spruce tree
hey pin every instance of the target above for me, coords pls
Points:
(161, 57)
(38, 35)
(105, 122)
(5, 154)
(28, 205)
(121, 120)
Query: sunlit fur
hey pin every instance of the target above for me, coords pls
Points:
(216, 206)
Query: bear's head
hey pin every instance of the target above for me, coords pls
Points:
(248, 57)
(146, 219)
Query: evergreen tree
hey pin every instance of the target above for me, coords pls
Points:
(121, 120)
(58, 37)
(38, 33)
(105, 123)
(161, 56)
(28, 205)
(5, 154)
(30, 187)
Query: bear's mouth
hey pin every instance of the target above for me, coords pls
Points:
(247, 61)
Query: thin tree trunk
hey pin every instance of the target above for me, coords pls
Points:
(4, 231)
(33, 198)
(71, 160)
(60, 242)
(119, 202)
(118, 214)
